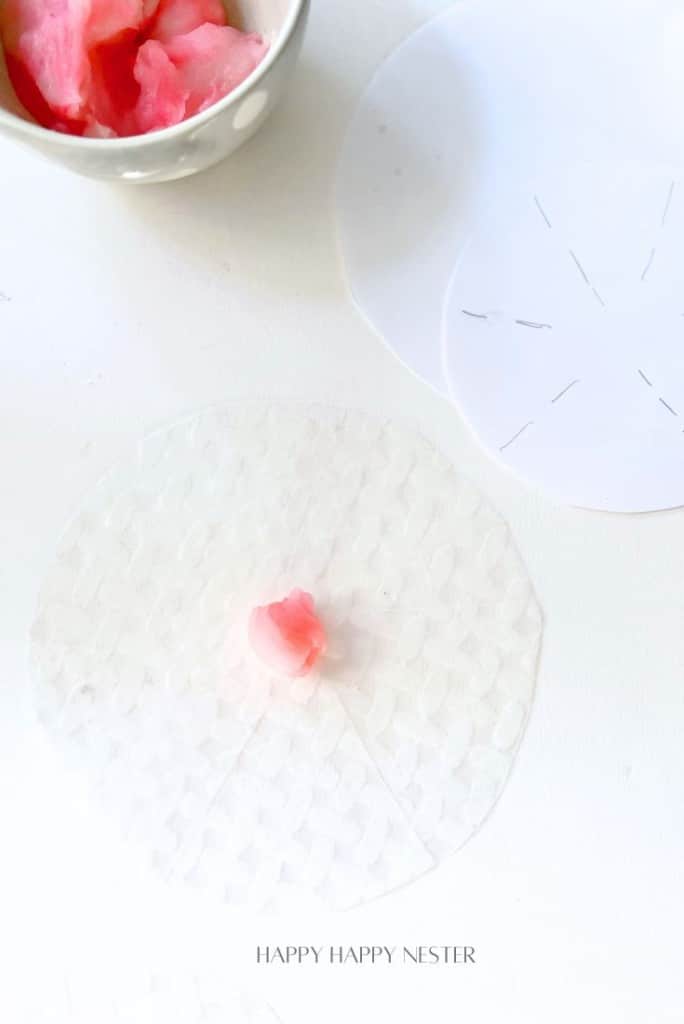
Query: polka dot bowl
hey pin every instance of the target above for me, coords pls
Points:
(193, 145)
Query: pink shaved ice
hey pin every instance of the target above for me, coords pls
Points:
(287, 635)
(161, 102)
(178, 17)
(106, 68)
(212, 61)
(110, 17)
(48, 38)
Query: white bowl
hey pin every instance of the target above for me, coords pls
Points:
(194, 144)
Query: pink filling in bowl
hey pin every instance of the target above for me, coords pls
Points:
(113, 68)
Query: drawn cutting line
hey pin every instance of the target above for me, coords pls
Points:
(516, 436)
(648, 265)
(580, 268)
(644, 377)
(585, 277)
(668, 406)
(565, 391)
(477, 316)
(534, 324)
(543, 213)
(668, 204)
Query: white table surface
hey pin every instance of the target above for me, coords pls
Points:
(127, 307)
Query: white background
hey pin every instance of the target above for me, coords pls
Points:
(128, 307)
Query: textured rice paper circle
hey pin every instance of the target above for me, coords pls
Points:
(110, 993)
(563, 335)
(488, 93)
(404, 184)
(321, 792)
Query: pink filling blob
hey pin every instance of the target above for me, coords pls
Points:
(108, 68)
(287, 635)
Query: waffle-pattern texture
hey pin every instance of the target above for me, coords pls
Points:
(322, 792)
(114, 994)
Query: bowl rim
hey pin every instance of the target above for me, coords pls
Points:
(40, 134)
